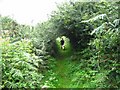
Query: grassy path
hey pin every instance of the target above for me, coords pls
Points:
(60, 74)
(63, 64)
(63, 68)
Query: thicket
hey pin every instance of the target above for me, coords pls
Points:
(21, 67)
(99, 24)
(94, 32)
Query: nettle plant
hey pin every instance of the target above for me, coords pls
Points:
(20, 65)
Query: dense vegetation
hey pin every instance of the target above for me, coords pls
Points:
(32, 56)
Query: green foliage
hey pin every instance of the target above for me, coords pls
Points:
(92, 28)
(20, 66)
(99, 62)
(25, 31)
(106, 51)
(43, 38)
(8, 23)
(10, 28)
(67, 20)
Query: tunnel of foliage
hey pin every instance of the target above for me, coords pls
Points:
(93, 31)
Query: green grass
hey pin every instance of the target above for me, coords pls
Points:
(62, 70)
(63, 64)
(68, 73)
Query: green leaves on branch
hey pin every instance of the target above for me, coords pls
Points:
(20, 66)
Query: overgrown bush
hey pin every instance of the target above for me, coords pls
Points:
(8, 23)
(43, 38)
(67, 20)
(102, 52)
(106, 53)
(70, 20)
(20, 66)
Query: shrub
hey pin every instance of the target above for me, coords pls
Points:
(8, 23)
(20, 67)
